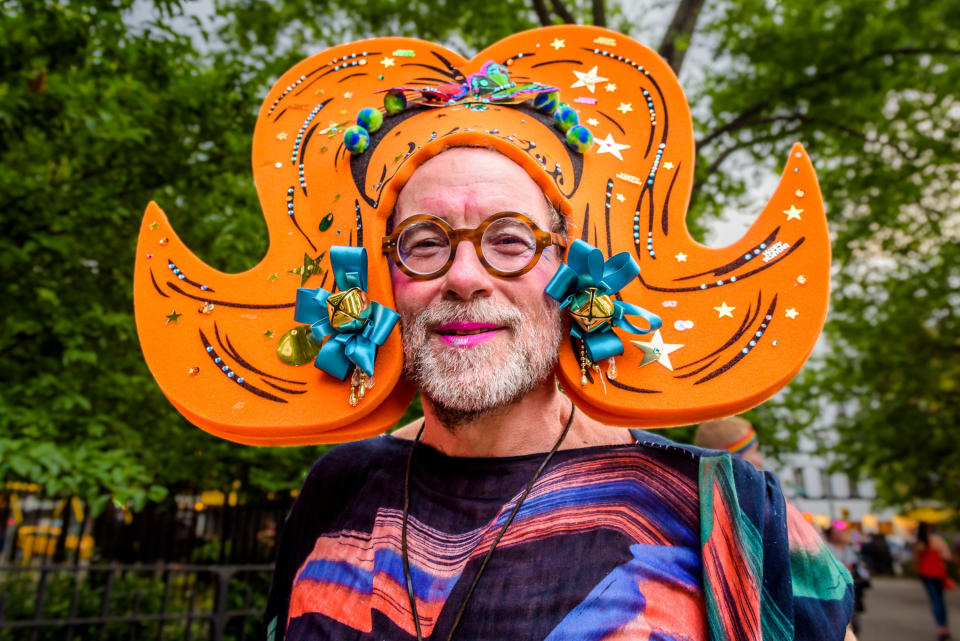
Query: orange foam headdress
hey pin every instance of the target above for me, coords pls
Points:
(737, 322)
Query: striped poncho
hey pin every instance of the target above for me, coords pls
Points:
(642, 541)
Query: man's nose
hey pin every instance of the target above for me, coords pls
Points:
(466, 279)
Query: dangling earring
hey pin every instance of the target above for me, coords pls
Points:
(585, 286)
(356, 325)
(612, 369)
(357, 386)
(585, 363)
(360, 382)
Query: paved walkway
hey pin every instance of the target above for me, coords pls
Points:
(898, 610)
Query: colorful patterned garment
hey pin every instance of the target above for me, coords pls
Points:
(767, 574)
(610, 544)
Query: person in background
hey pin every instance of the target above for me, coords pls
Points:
(734, 434)
(877, 554)
(930, 557)
(839, 538)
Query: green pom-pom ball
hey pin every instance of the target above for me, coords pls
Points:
(565, 117)
(546, 102)
(394, 102)
(370, 119)
(357, 139)
(579, 138)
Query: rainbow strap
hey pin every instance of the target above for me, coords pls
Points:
(743, 443)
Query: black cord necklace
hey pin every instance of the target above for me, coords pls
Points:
(486, 559)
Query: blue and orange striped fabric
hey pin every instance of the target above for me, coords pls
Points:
(767, 572)
(645, 541)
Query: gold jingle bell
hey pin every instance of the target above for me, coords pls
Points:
(591, 309)
(296, 347)
(348, 310)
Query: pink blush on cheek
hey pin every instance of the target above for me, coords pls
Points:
(404, 288)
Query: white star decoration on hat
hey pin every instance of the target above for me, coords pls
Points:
(725, 310)
(657, 350)
(793, 213)
(588, 80)
(609, 146)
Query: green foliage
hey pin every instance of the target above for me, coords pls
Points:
(310, 25)
(96, 119)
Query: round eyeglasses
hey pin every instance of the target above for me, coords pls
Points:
(508, 244)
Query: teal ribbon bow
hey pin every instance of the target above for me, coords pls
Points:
(586, 269)
(355, 343)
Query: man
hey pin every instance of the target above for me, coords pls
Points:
(595, 549)
(512, 510)
(482, 351)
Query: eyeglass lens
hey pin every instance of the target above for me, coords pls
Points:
(507, 245)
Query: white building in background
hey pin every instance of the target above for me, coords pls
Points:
(828, 497)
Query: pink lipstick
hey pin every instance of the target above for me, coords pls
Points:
(467, 333)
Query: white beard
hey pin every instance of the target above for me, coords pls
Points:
(464, 382)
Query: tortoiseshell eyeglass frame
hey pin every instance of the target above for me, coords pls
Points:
(544, 239)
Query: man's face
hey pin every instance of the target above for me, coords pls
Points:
(472, 341)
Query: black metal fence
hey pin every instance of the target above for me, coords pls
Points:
(221, 534)
(39, 530)
(113, 602)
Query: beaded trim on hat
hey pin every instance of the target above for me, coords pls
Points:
(491, 85)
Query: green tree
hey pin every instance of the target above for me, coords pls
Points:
(98, 115)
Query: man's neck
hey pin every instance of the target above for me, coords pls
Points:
(530, 426)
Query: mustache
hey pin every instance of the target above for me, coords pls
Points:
(478, 310)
